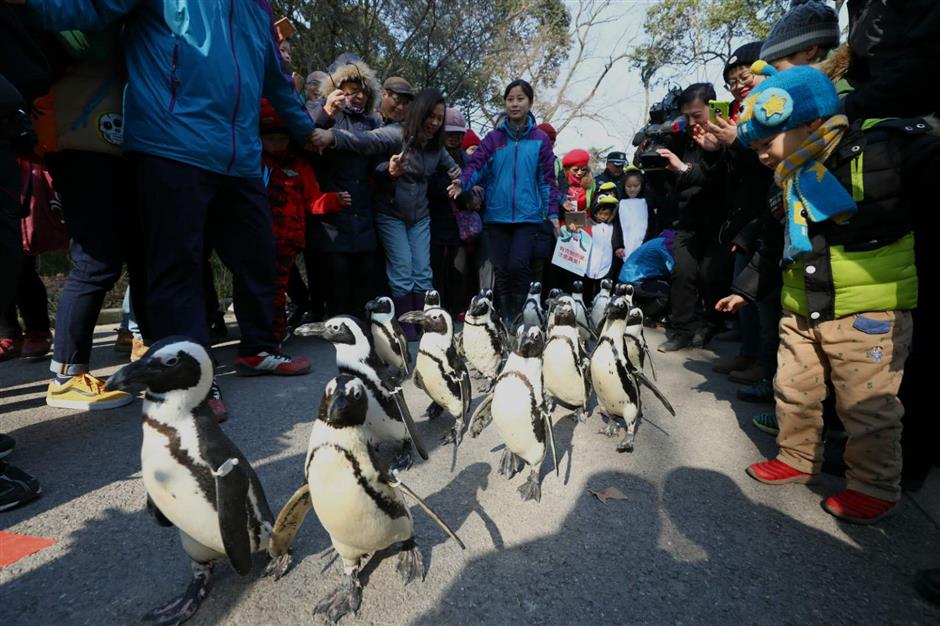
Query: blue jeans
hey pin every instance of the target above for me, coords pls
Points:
(407, 254)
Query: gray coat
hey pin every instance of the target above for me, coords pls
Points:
(406, 197)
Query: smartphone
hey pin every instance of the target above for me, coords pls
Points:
(577, 218)
(716, 107)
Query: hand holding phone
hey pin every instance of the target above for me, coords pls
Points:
(718, 108)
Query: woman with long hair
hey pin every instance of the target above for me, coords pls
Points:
(402, 214)
(516, 166)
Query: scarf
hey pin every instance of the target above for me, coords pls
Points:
(810, 191)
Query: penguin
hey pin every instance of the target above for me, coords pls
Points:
(566, 365)
(581, 312)
(621, 290)
(388, 418)
(432, 300)
(550, 302)
(532, 313)
(484, 337)
(599, 304)
(638, 351)
(391, 346)
(616, 381)
(354, 498)
(195, 477)
(439, 371)
(517, 406)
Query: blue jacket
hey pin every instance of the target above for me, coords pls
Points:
(518, 174)
(197, 70)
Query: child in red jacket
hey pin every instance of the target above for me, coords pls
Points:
(294, 193)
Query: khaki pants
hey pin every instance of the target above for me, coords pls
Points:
(865, 369)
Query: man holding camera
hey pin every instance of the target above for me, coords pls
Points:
(700, 262)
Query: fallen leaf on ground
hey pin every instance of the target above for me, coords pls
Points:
(610, 493)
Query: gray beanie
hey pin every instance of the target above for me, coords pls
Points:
(808, 23)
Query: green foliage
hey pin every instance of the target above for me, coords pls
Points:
(681, 34)
(468, 48)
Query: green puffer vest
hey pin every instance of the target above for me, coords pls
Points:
(867, 263)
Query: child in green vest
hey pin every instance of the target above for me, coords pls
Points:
(849, 279)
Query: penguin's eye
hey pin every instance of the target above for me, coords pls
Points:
(357, 394)
(172, 361)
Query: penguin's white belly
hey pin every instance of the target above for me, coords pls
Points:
(478, 347)
(174, 491)
(385, 350)
(531, 316)
(435, 385)
(611, 395)
(597, 312)
(561, 375)
(512, 414)
(356, 524)
(380, 426)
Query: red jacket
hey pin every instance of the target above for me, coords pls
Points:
(293, 192)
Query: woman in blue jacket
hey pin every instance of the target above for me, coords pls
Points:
(515, 165)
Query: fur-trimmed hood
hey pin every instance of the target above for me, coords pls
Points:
(352, 71)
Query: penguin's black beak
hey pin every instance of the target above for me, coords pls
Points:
(338, 405)
(316, 329)
(478, 306)
(414, 317)
(138, 374)
(372, 306)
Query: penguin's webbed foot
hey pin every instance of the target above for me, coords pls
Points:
(579, 416)
(346, 599)
(278, 565)
(626, 444)
(434, 411)
(454, 435)
(410, 563)
(612, 428)
(476, 375)
(531, 489)
(487, 384)
(185, 606)
(404, 460)
(508, 464)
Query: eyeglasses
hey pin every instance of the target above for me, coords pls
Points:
(744, 79)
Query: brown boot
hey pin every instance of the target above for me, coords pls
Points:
(747, 376)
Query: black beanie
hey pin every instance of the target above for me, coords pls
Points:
(745, 55)
(808, 23)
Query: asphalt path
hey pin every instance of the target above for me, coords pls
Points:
(695, 541)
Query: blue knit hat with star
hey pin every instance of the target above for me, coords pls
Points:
(785, 100)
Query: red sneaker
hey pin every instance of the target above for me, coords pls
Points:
(271, 363)
(858, 508)
(776, 472)
(10, 348)
(36, 344)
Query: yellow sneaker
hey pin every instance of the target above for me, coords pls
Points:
(138, 349)
(86, 393)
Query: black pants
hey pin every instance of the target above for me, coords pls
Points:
(701, 273)
(184, 208)
(510, 248)
(450, 282)
(32, 302)
(101, 213)
(352, 281)
(11, 238)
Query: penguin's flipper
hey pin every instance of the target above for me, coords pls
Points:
(649, 358)
(419, 382)
(289, 520)
(551, 437)
(405, 413)
(158, 515)
(503, 334)
(427, 509)
(481, 417)
(589, 330)
(402, 344)
(640, 376)
(458, 343)
(231, 501)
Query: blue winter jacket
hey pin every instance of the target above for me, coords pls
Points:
(197, 70)
(518, 174)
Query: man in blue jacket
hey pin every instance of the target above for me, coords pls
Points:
(196, 74)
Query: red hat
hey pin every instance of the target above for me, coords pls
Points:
(576, 157)
(549, 130)
(470, 138)
(270, 120)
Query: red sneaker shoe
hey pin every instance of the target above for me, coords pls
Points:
(858, 508)
(10, 348)
(36, 344)
(271, 363)
(776, 472)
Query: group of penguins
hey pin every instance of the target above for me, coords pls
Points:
(199, 481)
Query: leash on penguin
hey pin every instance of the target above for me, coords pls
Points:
(396, 483)
(551, 437)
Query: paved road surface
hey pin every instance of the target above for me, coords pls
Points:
(696, 541)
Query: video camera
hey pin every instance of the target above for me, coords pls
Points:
(664, 130)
